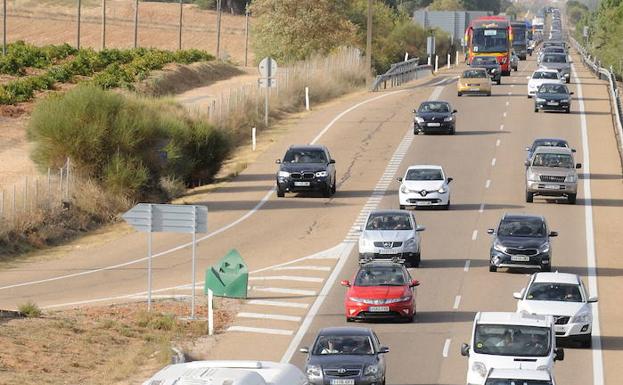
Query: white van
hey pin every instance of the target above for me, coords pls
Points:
(229, 373)
(502, 340)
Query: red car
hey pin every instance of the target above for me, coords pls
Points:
(380, 290)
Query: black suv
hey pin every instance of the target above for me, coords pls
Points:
(434, 116)
(346, 355)
(490, 63)
(521, 241)
(306, 168)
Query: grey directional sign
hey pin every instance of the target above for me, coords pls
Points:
(164, 218)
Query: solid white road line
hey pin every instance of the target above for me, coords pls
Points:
(303, 267)
(466, 268)
(289, 304)
(286, 278)
(488, 183)
(493, 162)
(457, 302)
(598, 366)
(275, 317)
(475, 235)
(247, 329)
(446, 348)
(282, 290)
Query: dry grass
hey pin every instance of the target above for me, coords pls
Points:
(100, 345)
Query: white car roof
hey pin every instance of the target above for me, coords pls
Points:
(572, 279)
(229, 372)
(512, 318)
(521, 374)
(420, 166)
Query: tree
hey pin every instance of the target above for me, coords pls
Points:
(446, 5)
(290, 30)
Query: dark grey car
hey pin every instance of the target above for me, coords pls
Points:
(346, 356)
(306, 168)
(552, 97)
(490, 63)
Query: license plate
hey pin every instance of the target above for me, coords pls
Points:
(552, 103)
(343, 381)
(551, 187)
(301, 184)
(520, 258)
(434, 124)
(378, 308)
(475, 89)
(386, 251)
(422, 203)
(559, 328)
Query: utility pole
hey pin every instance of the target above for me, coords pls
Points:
(136, 24)
(78, 30)
(246, 36)
(219, 11)
(4, 28)
(179, 35)
(103, 24)
(369, 38)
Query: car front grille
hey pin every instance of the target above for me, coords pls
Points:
(302, 175)
(522, 251)
(387, 245)
(562, 320)
(343, 372)
(552, 178)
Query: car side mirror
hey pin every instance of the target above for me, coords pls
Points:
(278, 161)
(578, 165)
(450, 179)
(573, 150)
(553, 233)
(420, 228)
(527, 148)
(517, 295)
(304, 349)
(399, 179)
(383, 350)
(592, 299)
(571, 93)
(465, 350)
(528, 77)
(345, 283)
(454, 111)
(415, 111)
(559, 354)
(527, 163)
(414, 283)
(490, 231)
(332, 161)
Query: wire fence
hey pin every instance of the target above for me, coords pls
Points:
(37, 193)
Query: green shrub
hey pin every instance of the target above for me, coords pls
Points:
(21, 55)
(30, 309)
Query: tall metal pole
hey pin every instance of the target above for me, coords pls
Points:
(135, 23)
(4, 27)
(103, 24)
(149, 260)
(179, 34)
(219, 11)
(246, 37)
(369, 38)
(78, 17)
(194, 267)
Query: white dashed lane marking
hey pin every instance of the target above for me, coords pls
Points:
(482, 208)
(488, 183)
(475, 235)
(501, 127)
(493, 162)
(457, 302)
(497, 143)
(466, 268)
(446, 348)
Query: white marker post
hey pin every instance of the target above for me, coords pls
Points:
(406, 56)
(210, 313)
(253, 137)
(436, 63)
(428, 59)
(307, 98)
(448, 62)
(456, 60)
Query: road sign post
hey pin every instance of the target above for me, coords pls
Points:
(268, 69)
(165, 218)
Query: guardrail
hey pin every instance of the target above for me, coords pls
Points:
(400, 73)
(615, 96)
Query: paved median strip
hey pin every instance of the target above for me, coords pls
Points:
(247, 329)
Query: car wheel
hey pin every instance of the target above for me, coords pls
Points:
(348, 319)
(586, 341)
(536, 109)
(572, 198)
(447, 205)
(529, 96)
(492, 268)
(326, 192)
(568, 110)
(499, 81)
(334, 187)
(568, 80)
(459, 94)
(402, 207)
(489, 93)
(280, 193)
(529, 197)
(453, 131)
(547, 268)
(515, 69)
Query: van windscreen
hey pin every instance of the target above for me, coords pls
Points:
(512, 340)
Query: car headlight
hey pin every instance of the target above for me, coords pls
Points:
(480, 369)
(313, 371)
(442, 190)
(419, 120)
(410, 242)
(582, 318)
(404, 189)
(355, 299)
(284, 174)
(321, 174)
(533, 177)
(571, 178)
(540, 100)
(499, 247)
(544, 248)
(448, 119)
(371, 370)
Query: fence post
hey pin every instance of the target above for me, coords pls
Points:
(253, 137)
(246, 37)
(13, 212)
(49, 186)
(4, 27)
(25, 193)
(60, 184)
(2, 204)
(103, 24)
(219, 12)
(135, 23)
(78, 19)
(307, 98)
(68, 174)
(179, 35)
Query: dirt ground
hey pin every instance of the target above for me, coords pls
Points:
(117, 344)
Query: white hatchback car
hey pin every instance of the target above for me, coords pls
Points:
(563, 296)
(424, 185)
(541, 76)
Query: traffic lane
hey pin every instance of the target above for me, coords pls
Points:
(211, 250)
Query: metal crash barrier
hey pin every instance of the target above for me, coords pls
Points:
(401, 73)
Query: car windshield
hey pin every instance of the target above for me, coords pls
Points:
(512, 381)
(546, 291)
(381, 276)
(545, 75)
(434, 107)
(549, 143)
(552, 88)
(424, 174)
(305, 156)
(472, 74)
(544, 159)
(522, 227)
(389, 222)
(554, 59)
(554, 50)
(512, 340)
(490, 40)
(484, 60)
(342, 344)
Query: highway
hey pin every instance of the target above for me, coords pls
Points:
(298, 248)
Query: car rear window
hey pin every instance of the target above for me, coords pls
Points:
(472, 74)
(554, 59)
